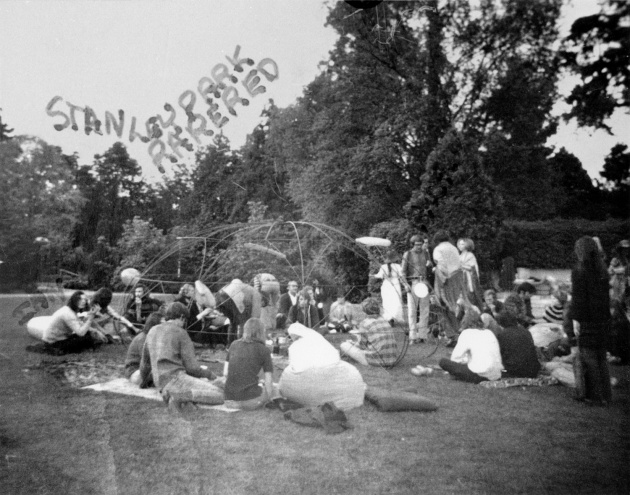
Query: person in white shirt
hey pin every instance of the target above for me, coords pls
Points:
(476, 357)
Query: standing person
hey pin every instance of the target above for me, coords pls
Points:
(245, 359)
(590, 312)
(391, 291)
(414, 269)
(66, 333)
(305, 312)
(169, 356)
(377, 344)
(450, 282)
(471, 271)
(141, 306)
(288, 299)
(618, 271)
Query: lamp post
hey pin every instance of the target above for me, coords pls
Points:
(41, 242)
(179, 252)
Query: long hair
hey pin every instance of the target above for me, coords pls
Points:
(103, 297)
(254, 331)
(73, 302)
(589, 260)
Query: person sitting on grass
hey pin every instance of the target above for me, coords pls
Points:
(169, 355)
(525, 291)
(103, 298)
(475, 358)
(516, 305)
(554, 312)
(491, 305)
(518, 352)
(245, 359)
(305, 313)
(134, 353)
(377, 343)
(67, 333)
(141, 306)
(340, 314)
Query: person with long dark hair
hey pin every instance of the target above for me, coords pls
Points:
(103, 298)
(590, 312)
(67, 333)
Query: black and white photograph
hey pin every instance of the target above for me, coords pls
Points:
(314, 247)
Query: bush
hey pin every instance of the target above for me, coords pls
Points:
(549, 244)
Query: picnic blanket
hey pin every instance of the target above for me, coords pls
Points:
(540, 381)
(125, 387)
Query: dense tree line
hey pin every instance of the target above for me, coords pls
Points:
(423, 116)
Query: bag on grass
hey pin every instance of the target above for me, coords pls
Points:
(398, 400)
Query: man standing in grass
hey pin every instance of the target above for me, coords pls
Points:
(169, 355)
(414, 268)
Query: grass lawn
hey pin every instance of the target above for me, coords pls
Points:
(58, 439)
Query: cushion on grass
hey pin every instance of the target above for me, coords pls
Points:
(340, 383)
(398, 400)
(37, 326)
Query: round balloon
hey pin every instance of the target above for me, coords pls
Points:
(130, 276)
(421, 290)
(374, 241)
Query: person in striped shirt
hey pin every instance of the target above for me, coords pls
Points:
(377, 344)
(554, 312)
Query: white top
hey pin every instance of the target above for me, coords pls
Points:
(446, 257)
(392, 275)
(479, 349)
(63, 323)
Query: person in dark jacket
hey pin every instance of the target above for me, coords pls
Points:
(590, 312)
(141, 306)
(518, 351)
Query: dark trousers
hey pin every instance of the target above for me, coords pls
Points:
(592, 378)
(74, 344)
(461, 371)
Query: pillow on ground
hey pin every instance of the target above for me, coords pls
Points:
(340, 383)
(37, 325)
(398, 400)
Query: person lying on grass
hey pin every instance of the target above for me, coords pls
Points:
(134, 353)
(169, 355)
(377, 343)
(67, 333)
(245, 359)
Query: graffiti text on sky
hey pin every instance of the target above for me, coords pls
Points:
(165, 137)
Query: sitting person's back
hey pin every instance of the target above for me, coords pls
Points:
(518, 352)
(245, 359)
(475, 358)
(134, 352)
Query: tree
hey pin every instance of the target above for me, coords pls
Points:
(597, 50)
(457, 195)
(575, 196)
(116, 193)
(616, 172)
(4, 131)
(37, 201)
(140, 243)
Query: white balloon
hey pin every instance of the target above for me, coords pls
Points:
(130, 276)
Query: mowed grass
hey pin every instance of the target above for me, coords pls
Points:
(56, 439)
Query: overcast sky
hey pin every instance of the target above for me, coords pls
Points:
(137, 55)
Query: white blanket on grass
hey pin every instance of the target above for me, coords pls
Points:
(125, 387)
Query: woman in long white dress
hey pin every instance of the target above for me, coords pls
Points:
(391, 290)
